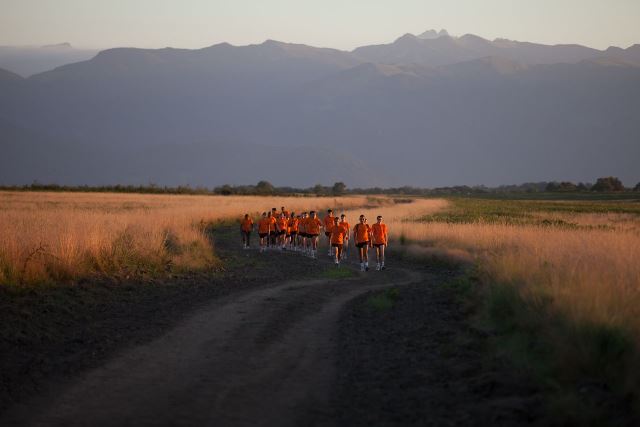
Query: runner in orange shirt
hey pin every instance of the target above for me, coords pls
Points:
(362, 239)
(281, 231)
(285, 212)
(293, 232)
(273, 233)
(380, 236)
(328, 225)
(246, 227)
(302, 232)
(338, 235)
(313, 230)
(345, 249)
(264, 226)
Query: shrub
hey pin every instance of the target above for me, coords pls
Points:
(563, 186)
(265, 188)
(609, 183)
(339, 188)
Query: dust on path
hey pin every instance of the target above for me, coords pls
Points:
(261, 357)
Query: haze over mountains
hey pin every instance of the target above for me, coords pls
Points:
(28, 60)
(425, 110)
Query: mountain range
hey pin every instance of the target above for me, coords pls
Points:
(424, 110)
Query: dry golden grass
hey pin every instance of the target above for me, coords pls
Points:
(396, 215)
(65, 237)
(590, 274)
(561, 290)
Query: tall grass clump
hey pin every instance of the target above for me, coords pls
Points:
(66, 237)
(563, 299)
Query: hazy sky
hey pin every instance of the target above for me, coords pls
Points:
(342, 24)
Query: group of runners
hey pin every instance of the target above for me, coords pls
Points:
(284, 230)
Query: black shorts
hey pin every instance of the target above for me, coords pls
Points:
(293, 233)
(312, 235)
(327, 233)
(377, 245)
(362, 244)
(336, 245)
(280, 233)
(263, 235)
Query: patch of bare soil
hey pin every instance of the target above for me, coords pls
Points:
(420, 362)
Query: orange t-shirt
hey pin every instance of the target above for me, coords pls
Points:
(246, 224)
(313, 225)
(338, 234)
(264, 225)
(286, 214)
(345, 224)
(379, 232)
(282, 224)
(361, 232)
(293, 224)
(329, 223)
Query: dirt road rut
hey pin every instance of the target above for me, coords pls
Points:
(263, 357)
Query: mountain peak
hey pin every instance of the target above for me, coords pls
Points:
(222, 45)
(472, 38)
(407, 38)
(271, 42)
(433, 34)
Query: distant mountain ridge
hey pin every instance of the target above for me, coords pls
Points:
(421, 111)
(436, 49)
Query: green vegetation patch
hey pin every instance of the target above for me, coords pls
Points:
(587, 371)
(522, 212)
(383, 301)
(337, 273)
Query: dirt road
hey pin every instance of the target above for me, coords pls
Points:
(261, 357)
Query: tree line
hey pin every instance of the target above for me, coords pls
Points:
(603, 184)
